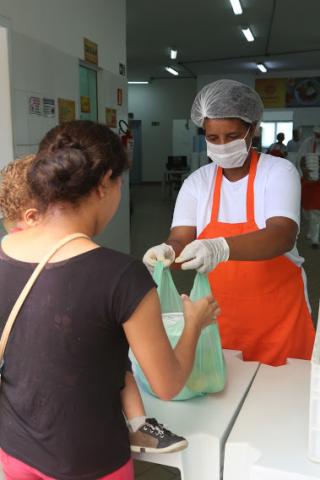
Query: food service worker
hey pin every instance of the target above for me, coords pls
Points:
(237, 219)
(308, 163)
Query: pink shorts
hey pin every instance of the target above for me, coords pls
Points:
(16, 470)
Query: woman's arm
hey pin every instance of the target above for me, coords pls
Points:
(277, 238)
(167, 370)
(180, 237)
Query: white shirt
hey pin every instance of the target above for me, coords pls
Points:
(293, 146)
(277, 193)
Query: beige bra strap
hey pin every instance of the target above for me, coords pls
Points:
(23, 295)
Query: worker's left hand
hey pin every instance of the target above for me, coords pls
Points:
(204, 255)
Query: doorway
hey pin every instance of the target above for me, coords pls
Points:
(136, 169)
(88, 94)
(6, 134)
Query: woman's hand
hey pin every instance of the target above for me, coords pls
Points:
(204, 255)
(201, 313)
(159, 253)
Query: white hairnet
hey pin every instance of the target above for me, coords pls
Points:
(316, 129)
(227, 99)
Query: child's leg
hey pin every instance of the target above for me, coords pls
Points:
(132, 404)
(146, 434)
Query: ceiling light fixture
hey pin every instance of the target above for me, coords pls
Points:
(172, 71)
(236, 6)
(139, 82)
(248, 34)
(173, 53)
(262, 67)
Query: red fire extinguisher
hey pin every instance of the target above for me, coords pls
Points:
(126, 139)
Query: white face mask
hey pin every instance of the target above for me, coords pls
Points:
(229, 155)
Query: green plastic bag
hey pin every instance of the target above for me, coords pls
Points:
(209, 373)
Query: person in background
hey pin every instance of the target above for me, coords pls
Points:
(66, 360)
(16, 206)
(294, 145)
(309, 166)
(237, 219)
(278, 149)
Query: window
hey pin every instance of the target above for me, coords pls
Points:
(270, 131)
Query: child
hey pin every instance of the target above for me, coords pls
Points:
(19, 212)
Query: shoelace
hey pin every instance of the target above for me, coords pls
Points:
(158, 428)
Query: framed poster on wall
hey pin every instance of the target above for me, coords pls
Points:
(67, 110)
(85, 104)
(111, 117)
(90, 51)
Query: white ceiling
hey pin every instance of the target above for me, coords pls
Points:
(209, 40)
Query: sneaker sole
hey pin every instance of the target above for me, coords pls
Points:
(177, 447)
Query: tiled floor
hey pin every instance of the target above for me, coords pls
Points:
(150, 225)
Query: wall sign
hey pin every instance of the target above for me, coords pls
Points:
(122, 69)
(119, 96)
(49, 107)
(111, 117)
(272, 91)
(67, 110)
(85, 104)
(90, 51)
(289, 92)
(35, 105)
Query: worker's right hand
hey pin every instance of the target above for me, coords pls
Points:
(159, 253)
(201, 313)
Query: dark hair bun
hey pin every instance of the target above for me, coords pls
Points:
(72, 160)
(64, 142)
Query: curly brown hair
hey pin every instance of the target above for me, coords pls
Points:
(15, 195)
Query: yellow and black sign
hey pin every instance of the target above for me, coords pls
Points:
(90, 51)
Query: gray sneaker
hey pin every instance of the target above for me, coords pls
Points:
(152, 437)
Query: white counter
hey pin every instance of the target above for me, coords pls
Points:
(205, 422)
(269, 440)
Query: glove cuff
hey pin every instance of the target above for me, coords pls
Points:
(226, 249)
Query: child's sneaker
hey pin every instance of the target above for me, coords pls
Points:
(152, 437)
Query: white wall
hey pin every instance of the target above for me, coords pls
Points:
(160, 101)
(46, 44)
(63, 24)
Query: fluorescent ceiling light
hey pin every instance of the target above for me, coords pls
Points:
(172, 71)
(139, 83)
(262, 67)
(248, 34)
(173, 53)
(236, 6)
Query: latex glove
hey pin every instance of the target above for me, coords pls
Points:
(160, 253)
(204, 255)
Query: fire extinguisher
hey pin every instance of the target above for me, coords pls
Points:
(126, 139)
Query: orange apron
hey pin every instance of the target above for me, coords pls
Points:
(263, 308)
